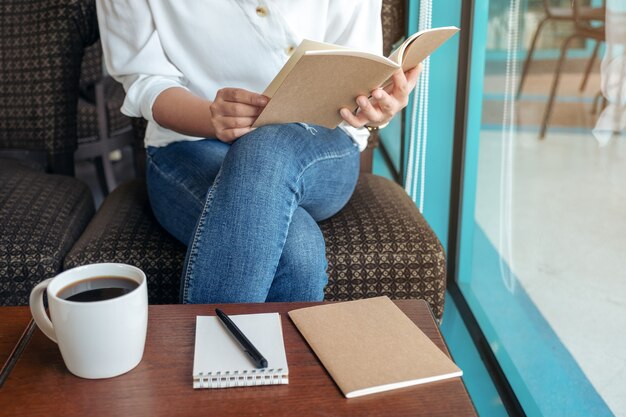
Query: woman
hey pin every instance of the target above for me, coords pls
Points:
(245, 201)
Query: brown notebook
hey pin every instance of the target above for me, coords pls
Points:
(321, 78)
(370, 346)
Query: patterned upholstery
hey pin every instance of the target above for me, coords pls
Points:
(378, 244)
(125, 230)
(91, 68)
(91, 72)
(42, 42)
(41, 216)
(393, 18)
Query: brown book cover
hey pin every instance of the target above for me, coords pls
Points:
(370, 346)
(320, 78)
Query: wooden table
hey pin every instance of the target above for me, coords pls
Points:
(14, 330)
(161, 385)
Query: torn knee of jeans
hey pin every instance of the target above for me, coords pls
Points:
(309, 129)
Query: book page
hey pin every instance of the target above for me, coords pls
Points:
(420, 45)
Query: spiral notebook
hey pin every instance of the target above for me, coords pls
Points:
(219, 361)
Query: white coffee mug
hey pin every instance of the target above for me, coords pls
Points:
(97, 339)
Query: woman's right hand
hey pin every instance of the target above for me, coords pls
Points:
(233, 112)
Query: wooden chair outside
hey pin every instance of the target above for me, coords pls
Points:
(567, 14)
(583, 29)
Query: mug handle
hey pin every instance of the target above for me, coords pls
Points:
(39, 312)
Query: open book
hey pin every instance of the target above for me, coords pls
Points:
(321, 78)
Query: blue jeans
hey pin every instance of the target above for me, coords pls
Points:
(248, 211)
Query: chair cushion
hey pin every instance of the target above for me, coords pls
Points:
(41, 216)
(125, 230)
(378, 244)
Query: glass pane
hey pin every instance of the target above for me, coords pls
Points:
(543, 226)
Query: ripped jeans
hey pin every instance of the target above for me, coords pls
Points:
(248, 210)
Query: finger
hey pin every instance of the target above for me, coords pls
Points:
(234, 122)
(387, 103)
(228, 108)
(400, 84)
(397, 77)
(231, 135)
(353, 120)
(388, 88)
(412, 75)
(367, 110)
(239, 95)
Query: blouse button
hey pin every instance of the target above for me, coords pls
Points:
(290, 50)
(261, 11)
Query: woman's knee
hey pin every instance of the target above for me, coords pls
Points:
(264, 161)
(272, 144)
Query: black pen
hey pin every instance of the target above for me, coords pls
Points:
(246, 345)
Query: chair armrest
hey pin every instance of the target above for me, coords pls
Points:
(41, 216)
(379, 244)
(124, 230)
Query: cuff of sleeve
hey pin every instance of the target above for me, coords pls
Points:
(149, 89)
(358, 135)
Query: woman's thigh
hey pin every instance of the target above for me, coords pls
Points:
(179, 176)
(324, 162)
(318, 166)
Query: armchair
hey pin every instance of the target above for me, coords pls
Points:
(379, 244)
(41, 213)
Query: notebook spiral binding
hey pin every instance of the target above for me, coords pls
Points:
(228, 379)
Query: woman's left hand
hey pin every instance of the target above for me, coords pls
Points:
(385, 102)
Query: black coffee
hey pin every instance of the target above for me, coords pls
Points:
(97, 289)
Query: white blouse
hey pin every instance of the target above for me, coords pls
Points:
(205, 45)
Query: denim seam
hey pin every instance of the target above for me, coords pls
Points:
(293, 206)
(193, 250)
